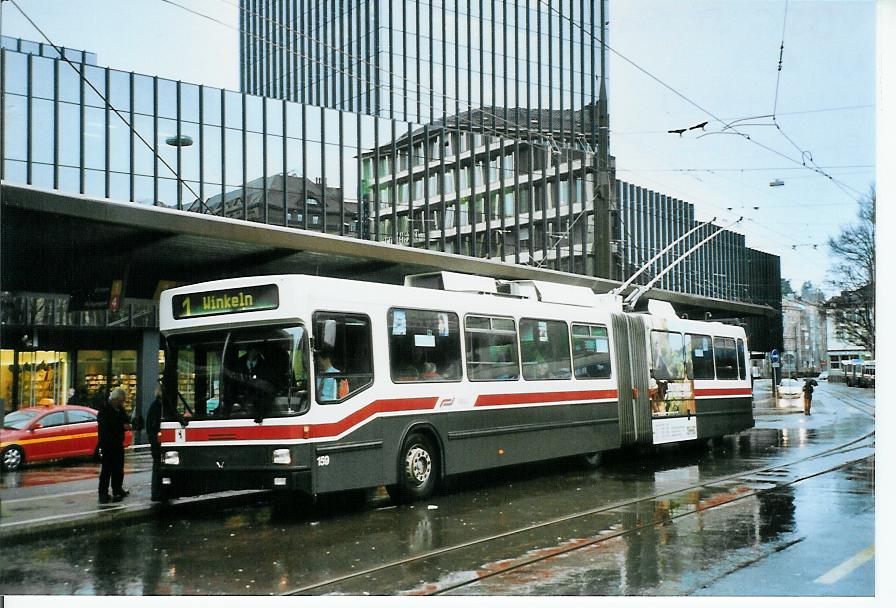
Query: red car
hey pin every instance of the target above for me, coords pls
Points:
(44, 433)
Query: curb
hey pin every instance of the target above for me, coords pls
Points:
(128, 514)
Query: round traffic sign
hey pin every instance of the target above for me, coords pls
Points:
(775, 356)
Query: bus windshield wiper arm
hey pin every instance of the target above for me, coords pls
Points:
(183, 421)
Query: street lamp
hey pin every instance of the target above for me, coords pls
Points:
(179, 141)
(185, 141)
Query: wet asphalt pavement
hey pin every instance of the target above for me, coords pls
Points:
(681, 521)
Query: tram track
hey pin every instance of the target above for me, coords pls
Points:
(752, 477)
(523, 564)
(855, 404)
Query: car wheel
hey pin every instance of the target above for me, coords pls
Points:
(418, 469)
(13, 458)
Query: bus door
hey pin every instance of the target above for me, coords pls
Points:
(630, 333)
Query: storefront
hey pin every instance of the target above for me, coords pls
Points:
(46, 350)
(44, 377)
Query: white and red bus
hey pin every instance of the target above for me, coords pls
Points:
(318, 384)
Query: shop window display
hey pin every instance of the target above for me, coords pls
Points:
(7, 358)
(124, 374)
(92, 376)
(41, 378)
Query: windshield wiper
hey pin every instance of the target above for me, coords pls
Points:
(183, 421)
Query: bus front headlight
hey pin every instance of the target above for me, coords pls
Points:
(282, 456)
(172, 458)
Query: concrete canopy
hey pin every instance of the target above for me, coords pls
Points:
(62, 243)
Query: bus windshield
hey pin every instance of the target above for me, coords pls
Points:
(256, 373)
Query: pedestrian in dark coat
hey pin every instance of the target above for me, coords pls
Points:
(808, 388)
(112, 422)
(153, 426)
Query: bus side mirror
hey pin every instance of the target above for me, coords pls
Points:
(329, 337)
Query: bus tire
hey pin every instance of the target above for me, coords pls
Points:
(418, 469)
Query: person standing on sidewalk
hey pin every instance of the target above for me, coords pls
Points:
(112, 422)
(153, 425)
(808, 387)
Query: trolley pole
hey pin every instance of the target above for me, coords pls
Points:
(776, 363)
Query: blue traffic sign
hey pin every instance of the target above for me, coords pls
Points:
(775, 356)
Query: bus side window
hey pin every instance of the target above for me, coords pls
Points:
(700, 357)
(741, 359)
(491, 349)
(544, 349)
(726, 358)
(424, 345)
(344, 368)
(591, 351)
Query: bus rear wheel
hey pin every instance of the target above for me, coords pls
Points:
(418, 469)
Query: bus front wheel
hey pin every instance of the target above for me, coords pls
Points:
(418, 469)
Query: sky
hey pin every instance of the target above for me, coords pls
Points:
(673, 64)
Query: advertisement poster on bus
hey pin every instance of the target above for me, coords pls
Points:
(671, 391)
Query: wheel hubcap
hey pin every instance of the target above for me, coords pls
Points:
(418, 465)
(12, 458)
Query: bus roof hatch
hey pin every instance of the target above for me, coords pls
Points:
(452, 281)
(555, 293)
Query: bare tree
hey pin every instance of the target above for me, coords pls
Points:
(854, 271)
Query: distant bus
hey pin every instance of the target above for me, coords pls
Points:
(319, 385)
(858, 373)
(867, 378)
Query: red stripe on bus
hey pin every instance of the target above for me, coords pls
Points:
(519, 399)
(244, 433)
(709, 392)
(380, 406)
(297, 431)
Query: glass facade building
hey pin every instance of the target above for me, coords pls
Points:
(494, 133)
(421, 61)
(451, 185)
(151, 141)
(46, 50)
(723, 268)
(463, 184)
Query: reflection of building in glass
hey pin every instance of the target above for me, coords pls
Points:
(505, 194)
(286, 200)
(512, 96)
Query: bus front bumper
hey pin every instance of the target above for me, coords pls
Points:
(200, 470)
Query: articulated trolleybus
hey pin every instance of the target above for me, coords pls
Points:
(317, 384)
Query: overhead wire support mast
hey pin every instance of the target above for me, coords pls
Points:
(628, 281)
(633, 297)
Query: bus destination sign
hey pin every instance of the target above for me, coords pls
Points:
(225, 301)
